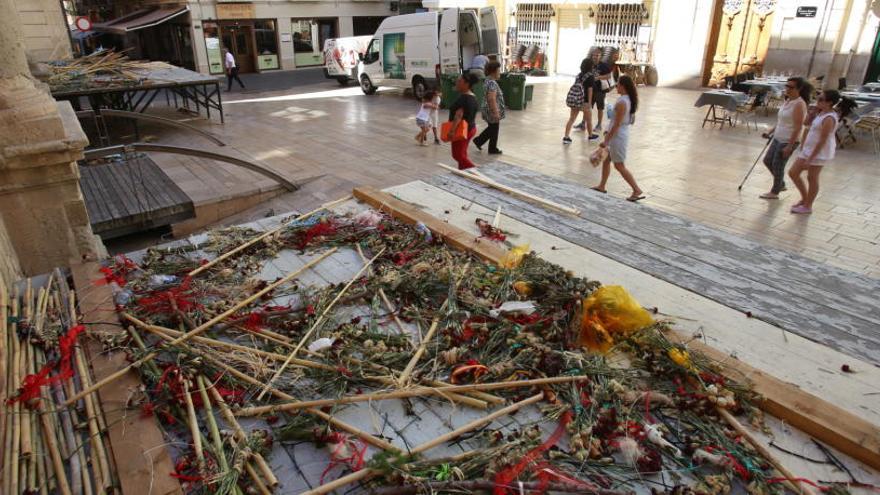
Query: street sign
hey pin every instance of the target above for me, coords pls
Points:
(806, 11)
(83, 23)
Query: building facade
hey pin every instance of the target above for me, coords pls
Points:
(694, 43)
(44, 29)
(262, 35)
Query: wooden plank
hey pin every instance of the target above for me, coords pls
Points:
(137, 443)
(406, 213)
(814, 416)
(809, 316)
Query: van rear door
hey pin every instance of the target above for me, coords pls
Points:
(489, 30)
(450, 52)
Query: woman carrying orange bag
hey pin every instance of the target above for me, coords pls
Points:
(464, 109)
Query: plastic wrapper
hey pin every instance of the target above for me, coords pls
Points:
(598, 156)
(514, 257)
(608, 313)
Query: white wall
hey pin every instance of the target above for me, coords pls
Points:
(822, 45)
(682, 32)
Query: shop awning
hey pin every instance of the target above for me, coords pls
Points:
(140, 20)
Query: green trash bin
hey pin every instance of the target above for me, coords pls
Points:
(447, 89)
(514, 87)
(530, 92)
(448, 94)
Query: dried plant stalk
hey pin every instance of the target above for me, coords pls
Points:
(203, 327)
(317, 323)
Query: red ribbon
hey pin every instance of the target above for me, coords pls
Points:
(339, 443)
(122, 266)
(30, 386)
(160, 302)
(505, 477)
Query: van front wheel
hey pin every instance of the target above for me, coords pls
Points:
(419, 88)
(367, 85)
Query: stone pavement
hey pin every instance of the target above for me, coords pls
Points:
(333, 138)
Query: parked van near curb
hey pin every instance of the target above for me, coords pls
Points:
(412, 50)
(341, 57)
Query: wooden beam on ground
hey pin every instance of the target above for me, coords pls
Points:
(408, 214)
(482, 179)
(136, 442)
(822, 420)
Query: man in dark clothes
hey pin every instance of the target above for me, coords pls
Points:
(601, 72)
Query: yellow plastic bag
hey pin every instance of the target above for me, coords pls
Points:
(514, 257)
(610, 312)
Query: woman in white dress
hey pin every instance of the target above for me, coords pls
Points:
(817, 152)
(622, 116)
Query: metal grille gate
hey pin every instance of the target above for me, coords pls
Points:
(618, 25)
(533, 24)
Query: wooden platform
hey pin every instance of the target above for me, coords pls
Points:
(816, 301)
(132, 195)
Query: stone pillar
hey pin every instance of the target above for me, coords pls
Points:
(40, 140)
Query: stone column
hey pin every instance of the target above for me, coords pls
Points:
(41, 203)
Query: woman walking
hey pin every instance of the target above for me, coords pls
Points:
(786, 132)
(464, 109)
(492, 109)
(621, 116)
(817, 152)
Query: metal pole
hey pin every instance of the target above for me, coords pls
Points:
(816, 41)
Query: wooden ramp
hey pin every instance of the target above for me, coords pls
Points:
(132, 195)
(821, 303)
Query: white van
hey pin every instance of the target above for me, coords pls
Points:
(412, 50)
(341, 57)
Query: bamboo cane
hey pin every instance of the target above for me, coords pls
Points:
(3, 366)
(45, 463)
(400, 394)
(79, 447)
(240, 436)
(194, 426)
(15, 465)
(367, 472)
(317, 323)
(5, 422)
(265, 235)
(255, 478)
(166, 332)
(790, 478)
(216, 440)
(200, 329)
(403, 380)
(52, 446)
(32, 461)
(27, 368)
(8, 378)
(477, 423)
(99, 461)
(39, 454)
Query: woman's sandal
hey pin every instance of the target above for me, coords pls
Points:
(635, 199)
(603, 191)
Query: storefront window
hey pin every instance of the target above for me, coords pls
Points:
(267, 44)
(309, 36)
(212, 43)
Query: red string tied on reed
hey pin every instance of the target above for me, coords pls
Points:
(504, 478)
(31, 384)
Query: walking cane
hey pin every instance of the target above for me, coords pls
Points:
(754, 164)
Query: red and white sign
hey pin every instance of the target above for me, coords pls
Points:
(83, 23)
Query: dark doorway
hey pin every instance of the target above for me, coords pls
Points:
(873, 74)
(366, 25)
(239, 39)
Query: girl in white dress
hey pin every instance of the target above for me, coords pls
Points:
(621, 116)
(817, 152)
